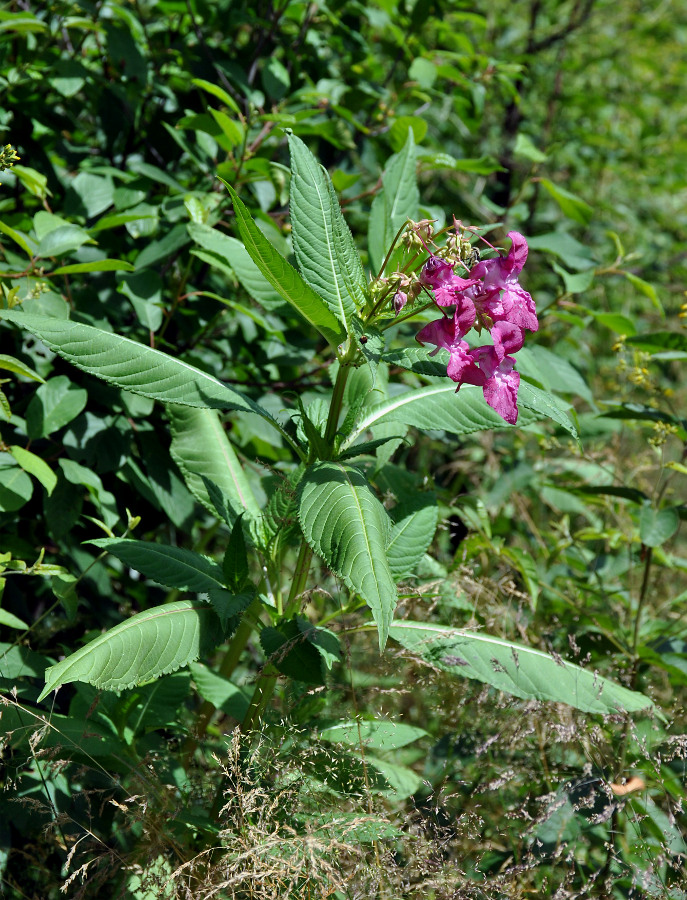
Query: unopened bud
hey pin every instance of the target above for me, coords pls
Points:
(400, 300)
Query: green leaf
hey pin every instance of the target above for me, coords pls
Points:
(647, 289)
(525, 149)
(659, 341)
(62, 240)
(54, 405)
(398, 201)
(375, 734)
(35, 466)
(27, 244)
(283, 277)
(656, 526)
(11, 621)
(217, 92)
(322, 241)
(415, 521)
(288, 649)
(135, 367)
(347, 526)
(175, 567)
(516, 669)
(235, 560)
(574, 254)
(402, 127)
(571, 205)
(201, 449)
(235, 256)
(545, 405)
(10, 364)
(149, 644)
(439, 408)
(99, 265)
(221, 692)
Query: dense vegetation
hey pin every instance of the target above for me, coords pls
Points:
(284, 615)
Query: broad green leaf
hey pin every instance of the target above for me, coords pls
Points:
(348, 527)
(289, 650)
(283, 277)
(322, 241)
(62, 240)
(656, 526)
(525, 149)
(54, 405)
(415, 522)
(16, 487)
(10, 364)
(571, 205)
(127, 364)
(402, 782)
(375, 734)
(202, 450)
(20, 662)
(220, 691)
(175, 567)
(516, 669)
(399, 200)
(439, 407)
(149, 644)
(574, 254)
(35, 466)
(99, 265)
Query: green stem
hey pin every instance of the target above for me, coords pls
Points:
(226, 669)
(337, 398)
(267, 681)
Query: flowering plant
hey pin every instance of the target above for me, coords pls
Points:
(490, 298)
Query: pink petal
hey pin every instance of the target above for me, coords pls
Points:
(508, 338)
(501, 391)
(517, 255)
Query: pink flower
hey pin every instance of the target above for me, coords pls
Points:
(446, 334)
(501, 383)
(502, 297)
(490, 298)
(439, 275)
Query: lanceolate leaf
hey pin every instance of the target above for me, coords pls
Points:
(175, 567)
(348, 527)
(130, 365)
(516, 669)
(283, 277)
(149, 644)
(235, 255)
(398, 200)
(322, 241)
(202, 450)
(439, 407)
(415, 522)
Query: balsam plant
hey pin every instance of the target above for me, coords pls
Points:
(340, 443)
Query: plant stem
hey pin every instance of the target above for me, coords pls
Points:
(337, 398)
(229, 662)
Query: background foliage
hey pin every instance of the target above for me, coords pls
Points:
(559, 120)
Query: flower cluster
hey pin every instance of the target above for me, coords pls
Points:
(489, 297)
